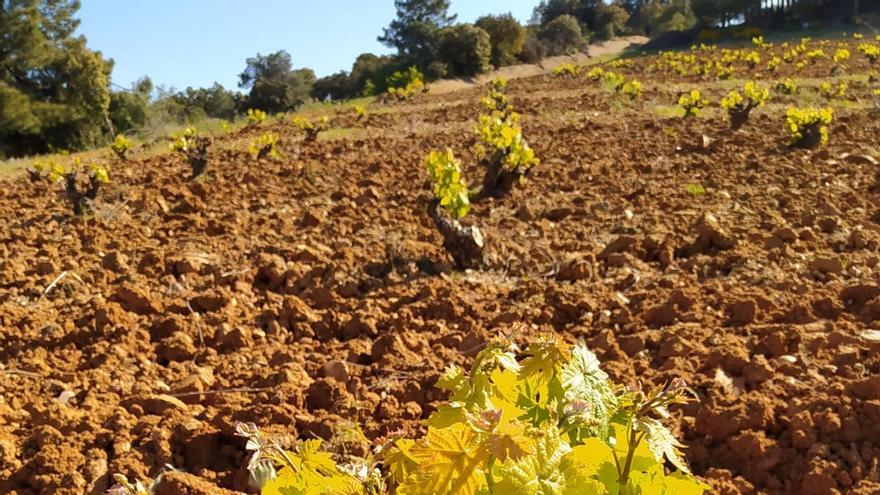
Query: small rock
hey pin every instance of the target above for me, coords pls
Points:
(831, 264)
(209, 303)
(757, 371)
(326, 394)
(619, 245)
(8, 452)
(827, 224)
(45, 267)
(179, 346)
(558, 214)
(179, 483)
(574, 269)
(785, 234)
(295, 310)
(525, 213)
(312, 218)
(710, 231)
(742, 312)
(336, 370)
(161, 404)
(196, 383)
(135, 300)
(867, 388)
(115, 261)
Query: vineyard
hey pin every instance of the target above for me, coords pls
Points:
(596, 280)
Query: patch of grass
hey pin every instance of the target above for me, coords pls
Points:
(342, 133)
(14, 166)
(668, 111)
(323, 107)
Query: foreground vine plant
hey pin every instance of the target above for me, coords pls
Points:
(81, 183)
(265, 146)
(543, 421)
(121, 146)
(740, 105)
(312, 128)
(808, 126)
(193, 147)
(692, 102)
(509, 158)
(451, 195)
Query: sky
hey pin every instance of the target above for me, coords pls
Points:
(180, 43)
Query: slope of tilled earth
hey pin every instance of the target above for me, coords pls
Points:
(314, 289)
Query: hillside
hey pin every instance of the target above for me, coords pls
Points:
(311, 290)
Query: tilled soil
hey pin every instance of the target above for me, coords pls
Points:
(311, 290)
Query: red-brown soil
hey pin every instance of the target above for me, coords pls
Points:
(300, 292)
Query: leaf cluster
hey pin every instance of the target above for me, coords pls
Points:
(181, 142)
(311, 127)
(264, 146)
(544, 421)
(121, 145)
(870, 51)
(802, 121)
(692, 102)
(753, 95)
(256, 116)
(449, 186)
(831, 91)
(567, 69)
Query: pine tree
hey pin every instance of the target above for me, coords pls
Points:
(54, 90)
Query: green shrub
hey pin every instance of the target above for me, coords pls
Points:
(507, 36)
(562, 35)
(465, 49)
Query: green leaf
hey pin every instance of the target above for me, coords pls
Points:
(662, 443)
(547, 472)
(583, 379)
(450, 462)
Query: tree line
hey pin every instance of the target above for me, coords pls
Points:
(55, 92)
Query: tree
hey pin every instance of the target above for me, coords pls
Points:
(610, 20)
(548, 10)
(215, 102)
(465, 49)
(562, 35)
(128, 109)
(661, 16)
(369, 73)
(336, 86)
(54, 90)
(533, 48)
(415, 30)
(274, 85)
(507, 36)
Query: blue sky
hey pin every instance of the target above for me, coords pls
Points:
(196, 42)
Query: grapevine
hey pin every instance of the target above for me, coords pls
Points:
(193, 147)
(255, 116)
(739, 105)
(465, 244)
(311, 128)
(516, 421)
(692, 102)
(121, 146)
(264, 146)
(808, 126)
